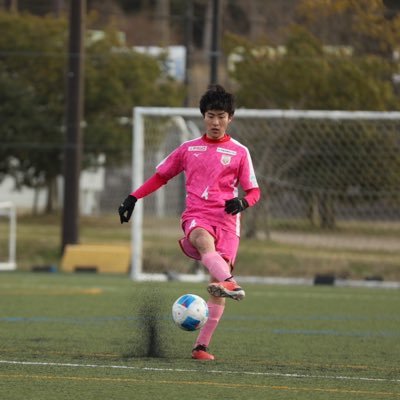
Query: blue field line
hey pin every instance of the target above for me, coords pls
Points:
(72, 320)
(319, 317)
(164, 319)
(167, 317)
(333, 332)
(314, 332)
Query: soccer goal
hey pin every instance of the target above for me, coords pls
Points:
(315, 166)
(8, 236)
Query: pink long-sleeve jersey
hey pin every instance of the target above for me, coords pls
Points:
(213, 171)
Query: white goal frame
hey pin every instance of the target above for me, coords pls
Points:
(7, 208)
(138, 133)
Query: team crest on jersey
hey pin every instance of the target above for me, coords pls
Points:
(225, 159)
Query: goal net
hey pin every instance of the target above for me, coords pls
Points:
(7, 236)
(316, 170)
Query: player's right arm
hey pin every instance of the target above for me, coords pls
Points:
(166, 170)
(127, 206)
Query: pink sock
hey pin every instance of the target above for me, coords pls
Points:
(215, 312)
(216, 265)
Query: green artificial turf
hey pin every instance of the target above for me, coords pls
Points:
(88, 336)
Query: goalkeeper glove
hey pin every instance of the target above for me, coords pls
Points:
(235, 206)
(125, 210)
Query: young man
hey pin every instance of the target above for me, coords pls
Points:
(214, 165)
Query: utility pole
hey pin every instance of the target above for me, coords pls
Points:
(163, 16)
(214, 55)
(58, 6)
(74, 113)
(12, 5)
(189, 49)
(392, 8)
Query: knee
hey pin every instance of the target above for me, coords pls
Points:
(202, 244)
(202, 240)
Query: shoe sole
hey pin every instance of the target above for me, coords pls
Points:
(218, 291)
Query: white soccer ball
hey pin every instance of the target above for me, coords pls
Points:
(190, 312)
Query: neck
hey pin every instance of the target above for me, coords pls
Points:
(222, 139)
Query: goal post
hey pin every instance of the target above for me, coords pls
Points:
(334, 164)
(8, 236)
(138, 157)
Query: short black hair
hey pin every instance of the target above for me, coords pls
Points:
(217, 98)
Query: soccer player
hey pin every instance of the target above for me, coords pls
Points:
(215, 165)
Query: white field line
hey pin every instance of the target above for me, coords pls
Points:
(178, 370)
(264, 280)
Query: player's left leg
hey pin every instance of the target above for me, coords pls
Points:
(216, 306)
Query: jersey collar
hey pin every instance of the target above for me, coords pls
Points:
(224, 139)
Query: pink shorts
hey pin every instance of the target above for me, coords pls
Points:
(226, 243)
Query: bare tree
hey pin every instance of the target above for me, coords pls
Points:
(163, 17)
(257, 20)
(11, 5)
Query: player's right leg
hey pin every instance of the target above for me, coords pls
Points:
(228, 288)
(220, 270)
(225, 285)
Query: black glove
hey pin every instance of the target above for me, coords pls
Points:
(235, 206)
(125, 210)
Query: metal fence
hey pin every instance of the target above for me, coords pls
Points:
(315, 168)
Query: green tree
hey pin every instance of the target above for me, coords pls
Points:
(32, 82)
(368, 26)
(32, 59)
(308, 75)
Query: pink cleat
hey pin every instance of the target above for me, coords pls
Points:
(200, 352)
(226, 289)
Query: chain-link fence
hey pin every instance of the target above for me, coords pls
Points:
(318, 167)
(318, 171)
(330, 185)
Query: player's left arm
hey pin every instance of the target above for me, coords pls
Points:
(237, 205)
(252, 196)
(248, 181)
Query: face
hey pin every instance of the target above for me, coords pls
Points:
(216, 123)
